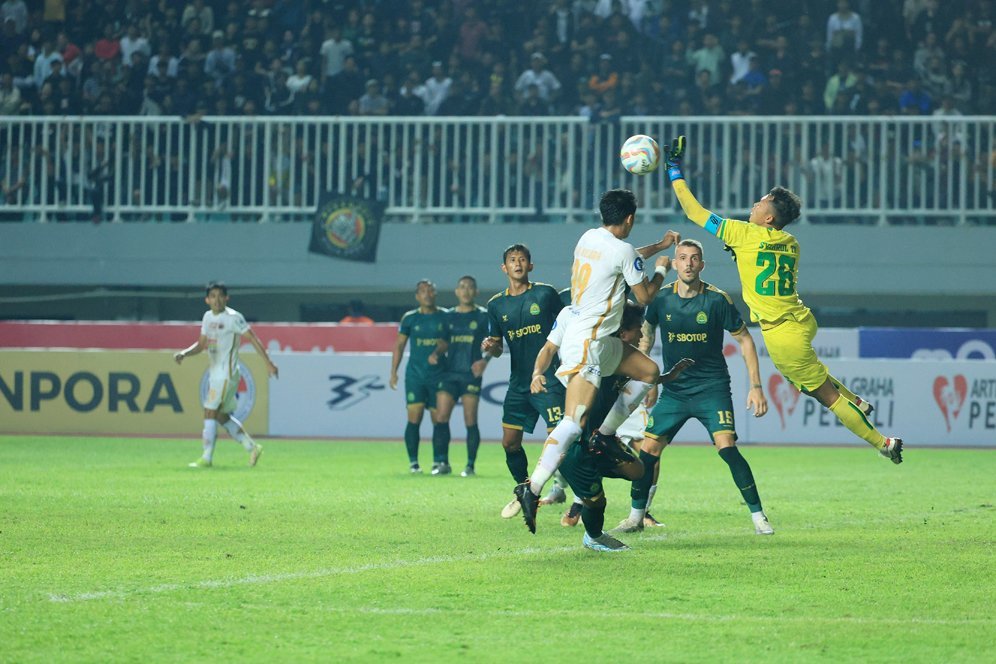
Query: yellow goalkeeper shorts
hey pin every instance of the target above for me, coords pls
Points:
(790, 346)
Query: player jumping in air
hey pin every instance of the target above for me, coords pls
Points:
(523, 315)
(222, 329)
(425, 326)
(604, 264)
(768, 263)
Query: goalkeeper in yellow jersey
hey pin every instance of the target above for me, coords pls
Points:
(768, 262)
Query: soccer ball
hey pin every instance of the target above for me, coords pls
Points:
(640, 155)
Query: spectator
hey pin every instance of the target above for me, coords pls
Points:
(346, 87)
(935, 79)
(709, 58)
(170, 65)
(219, 63)
(300, 79)
(546, 83)
(410, 96)
(16, 11)
(926, 50)
(203, 14)
(496, 102)
(839, 82)
(472, 33)
(960, 88)
(108, 47)
(11, 101)
(356, 314)
(43, 62)
(826, 175)
(373, 102)
(740, 61)
(435, 88)
(133, 42)
(334, 51)
(913, 100)
(606, 78)
(844, 31)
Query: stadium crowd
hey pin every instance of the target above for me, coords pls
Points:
(599, 58)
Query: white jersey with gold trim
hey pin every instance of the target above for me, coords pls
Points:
(224, 336)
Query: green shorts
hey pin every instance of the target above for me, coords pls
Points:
(713, 409)
(459, 384)
(522, 408)
(581, 471)
(421, 391)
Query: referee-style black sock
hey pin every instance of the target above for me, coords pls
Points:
(593, 519)
(441, 442)
(639, 491)
(473, 442)
(411, 442)
(518, 465)
(743, 476)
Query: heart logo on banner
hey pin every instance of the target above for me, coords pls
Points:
(950, 396)
(785, 396)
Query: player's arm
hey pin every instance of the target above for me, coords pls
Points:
(675, 371)
(755, 396)
(646, 290)
(670, 239)
(271, 368)
(543, 359)
(192, 349)
(649, 336)
(442, 345)
(396, 353)
(710, 221)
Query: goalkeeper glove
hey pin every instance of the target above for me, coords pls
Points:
(672, 159)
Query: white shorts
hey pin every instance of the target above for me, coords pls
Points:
(221, 393)
(634, 427)
(592, 358)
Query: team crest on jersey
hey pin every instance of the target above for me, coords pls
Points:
(534, 309)
(638, 264)
(650, 422)
(667, 317)
(245, 395)
(701, 318)
(473, 324)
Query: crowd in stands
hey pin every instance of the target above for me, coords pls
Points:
(598, 58)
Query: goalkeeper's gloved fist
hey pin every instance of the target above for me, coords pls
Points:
(672, 159)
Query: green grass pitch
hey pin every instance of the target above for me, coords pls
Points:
(111, 549)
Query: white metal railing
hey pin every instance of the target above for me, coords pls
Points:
(867, 169)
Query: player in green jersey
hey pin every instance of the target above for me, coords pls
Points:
(522, 315)
(468, 327)
(425, 327)
(692, 316)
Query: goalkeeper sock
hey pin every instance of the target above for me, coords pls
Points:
(627, 401)
(517, 464)
(742, 476)
(209, 435)
(238, 432)
(411, 442)
(441, 442)
(852, 418)
(473, 442)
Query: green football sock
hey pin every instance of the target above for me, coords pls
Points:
(593, 519)
(473, 442)
(441, 442)
(852, 418)
(411, 442)
(639, 491)
(518, 465)
(742, 476)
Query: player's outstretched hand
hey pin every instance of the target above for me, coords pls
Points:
(670, 239)
(491, 346)
(273, 370)
(393, 382)
(477, 368)
(178, 357)
(676, 370)
(673, 157)
(664, 262)
(538, 384)
(757, 401)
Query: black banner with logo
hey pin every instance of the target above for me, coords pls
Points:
(347, 227)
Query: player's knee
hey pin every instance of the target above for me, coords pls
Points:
(595, 502)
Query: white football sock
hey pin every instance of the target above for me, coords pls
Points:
(565, 433)
(209, 435)
(636, 514)
(629, 398)
(235, 429)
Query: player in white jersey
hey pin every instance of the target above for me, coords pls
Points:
(222, 329)
(604, 265)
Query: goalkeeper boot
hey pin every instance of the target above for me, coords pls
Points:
(604, 543)
(629, 525)
(529, 502)
(200, 463)
(650, 522)
(257, 451)
(556, 495)
(761, 525)
(571, 516)
(512, 509)
(893, 450)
